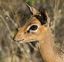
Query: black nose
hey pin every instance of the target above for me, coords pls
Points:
(15, 34)
(14, 38)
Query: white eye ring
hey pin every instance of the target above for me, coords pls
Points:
(33, 30)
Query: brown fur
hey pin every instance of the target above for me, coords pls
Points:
(43, 35)
(45, 38)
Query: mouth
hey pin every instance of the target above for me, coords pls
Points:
(27, 41)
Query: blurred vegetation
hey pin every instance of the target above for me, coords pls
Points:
(14, 14)
(33, 2)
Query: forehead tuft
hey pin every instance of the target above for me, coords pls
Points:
(34, 20)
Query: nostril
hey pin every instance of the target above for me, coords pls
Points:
(14, 39)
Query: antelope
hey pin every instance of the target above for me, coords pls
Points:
(35, 29)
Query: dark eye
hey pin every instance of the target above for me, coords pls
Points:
(33, 28)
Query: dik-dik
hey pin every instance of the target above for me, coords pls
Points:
(36, 30)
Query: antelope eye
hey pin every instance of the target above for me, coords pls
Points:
(33, 28)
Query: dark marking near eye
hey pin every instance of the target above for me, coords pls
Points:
(42, 18)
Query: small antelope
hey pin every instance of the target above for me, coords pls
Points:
(35, 30)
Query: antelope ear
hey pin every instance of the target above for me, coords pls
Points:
(33, 10)
(40, 15)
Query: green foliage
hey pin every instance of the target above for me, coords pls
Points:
(31, 2)
(42, 1)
